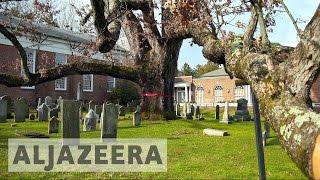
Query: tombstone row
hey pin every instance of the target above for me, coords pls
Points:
(189, 111)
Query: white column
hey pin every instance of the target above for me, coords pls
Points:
(190, 94)
(186, 93)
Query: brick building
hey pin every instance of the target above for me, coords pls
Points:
(57, 48)
(216, 87)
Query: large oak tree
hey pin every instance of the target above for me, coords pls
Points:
(283, 94)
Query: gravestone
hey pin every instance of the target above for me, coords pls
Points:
(98, 110)
(242, 112)
(90, 105)
(32, 117)
(53, 126)
(122, 111)
(192, 109)
(3, 111)
(48, 101)
(20, 110)
(79, 91)
(217, 112)
(27, 107)
(43, 111)
(178, 109)
(137, 117)
(215, 132)
(39, 102)
(10, 105)
(70, 119)
(109, 119)
(54, 112)
(197, 112)
(90, 121)
(226, 119)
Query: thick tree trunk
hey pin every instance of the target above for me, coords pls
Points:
(172, 49)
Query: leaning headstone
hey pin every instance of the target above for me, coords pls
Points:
(70, 119)
(109, 119)
(90, 121)
(10, 105)
(91, 105)
(3, 111)
(242, 112)
(226, 118)
(20, 110)
(43, 111)
(98, 110)
(217, 112)
(137, 117)
(54, 112)
(53, 126)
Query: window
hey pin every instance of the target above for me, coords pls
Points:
(88, 82)
(31, 61)
(181, 96)
(199, 95)
(239, 92)
(61, 84)
(111, 83)
(218, 94)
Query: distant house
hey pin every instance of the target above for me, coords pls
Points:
(59, 47)
(216, 87)
(211, 89)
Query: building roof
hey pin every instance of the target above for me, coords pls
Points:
(216, 73)
(54, 32)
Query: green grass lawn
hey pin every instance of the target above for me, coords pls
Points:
(191, 155)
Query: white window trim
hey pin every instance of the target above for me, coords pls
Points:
(65, 78)
(34, 68)
(114, 86)
(89, 90)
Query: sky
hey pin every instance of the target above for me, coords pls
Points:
(284, 32)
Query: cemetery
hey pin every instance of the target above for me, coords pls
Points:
(203, 89)
(191, 141)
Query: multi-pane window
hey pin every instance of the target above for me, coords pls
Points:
(111, 83)
(61, 84)
(199, 95)
(239, 92)
(31, 62)
(88, 82)
(218, 94)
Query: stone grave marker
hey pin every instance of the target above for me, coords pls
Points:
(3, 111)
(137, 117)
(43, 111)
(226, 119)
(217, 112)
(109, 119)
(10, 105)
(70, 119)
(242, 113)
(53, 126)
(20, 110)
(90, 121)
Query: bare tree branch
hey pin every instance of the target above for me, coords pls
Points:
(250, 30)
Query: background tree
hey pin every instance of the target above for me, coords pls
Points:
(186, 70)
(202, 69)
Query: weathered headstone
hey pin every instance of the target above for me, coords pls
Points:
(90, 121)
(48, 101)
(214, 132)
(3, 111)
(10, 105)
(226, 118)
(79, 91)
(43, 111)
(70, 119)
(20, 110)
(178, 109)
(54, 112)
(53, 126)
(98, 110)
(217, 112)
(197, 112)
(27, 107)
(91, 105)
(242, 112)
(109, 119)
(32, 117)
(137, 117)
(122, 111)
(192, 109)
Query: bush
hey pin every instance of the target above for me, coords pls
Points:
(126, 93)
